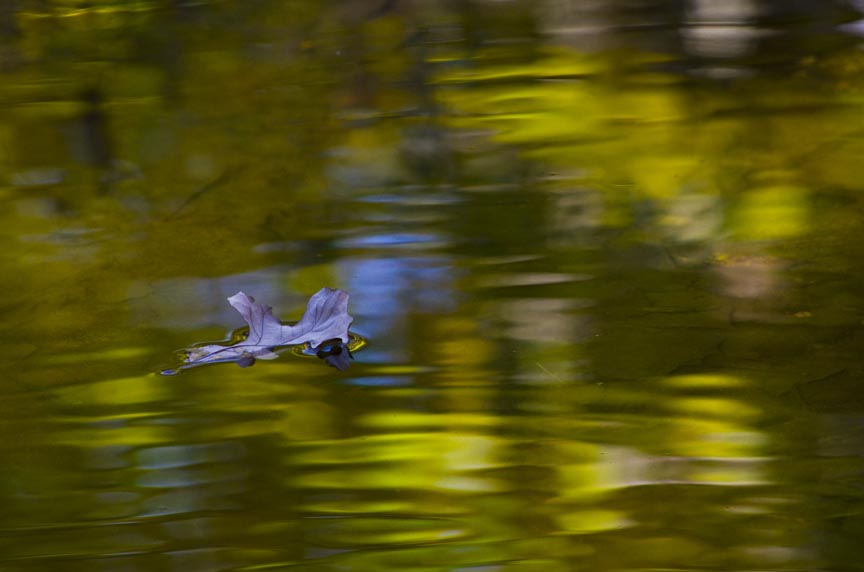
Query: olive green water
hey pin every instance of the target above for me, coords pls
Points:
(609, 258)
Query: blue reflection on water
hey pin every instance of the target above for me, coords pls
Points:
(381, 381)
(394, 239)
(386, 291)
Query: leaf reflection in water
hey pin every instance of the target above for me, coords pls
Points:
(322, 332)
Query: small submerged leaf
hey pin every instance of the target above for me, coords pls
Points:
(335, 353)
(323, 329)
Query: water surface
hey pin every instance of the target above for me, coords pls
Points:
(607, 256)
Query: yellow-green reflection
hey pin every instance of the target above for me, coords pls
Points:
(607, 261)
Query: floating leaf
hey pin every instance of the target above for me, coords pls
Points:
(323, 330)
